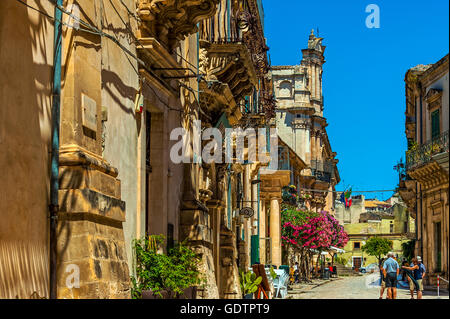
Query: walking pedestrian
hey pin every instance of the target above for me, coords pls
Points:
(391, 270)
(296, 272)
(382, 278)
(419, 272)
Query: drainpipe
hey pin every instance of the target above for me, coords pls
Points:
(421, 196)
(229, 19)
(54, 183)
(258, 198)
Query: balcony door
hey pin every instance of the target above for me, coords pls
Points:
(438, 246)
(435, 124)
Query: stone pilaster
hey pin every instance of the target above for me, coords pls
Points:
(196, 228)
(229, 273)
(91, 213)
(90, 232)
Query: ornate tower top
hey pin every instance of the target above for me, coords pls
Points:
(315, 43)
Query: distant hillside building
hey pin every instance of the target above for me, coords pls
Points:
(370, 218)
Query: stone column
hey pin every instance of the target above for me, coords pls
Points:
(255, 208)
(275, 230)
(248, 222)
(262, 231)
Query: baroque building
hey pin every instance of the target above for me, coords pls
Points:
(302, 126)
(424, 179)
(89, 164)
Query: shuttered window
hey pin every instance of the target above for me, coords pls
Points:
(435, 124)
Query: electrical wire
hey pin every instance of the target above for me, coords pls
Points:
(96, 31)
(129, 12)
(353, 191)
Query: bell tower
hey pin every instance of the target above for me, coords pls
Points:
(313, 60)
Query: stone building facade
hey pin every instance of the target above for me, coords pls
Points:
(424, 179)
(368, 218)
(395, 224)
(183, 62)
(301, 124)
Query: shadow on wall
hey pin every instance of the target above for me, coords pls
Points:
(23, 270)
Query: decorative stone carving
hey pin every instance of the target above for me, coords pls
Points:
(174, 19)
(229, 74)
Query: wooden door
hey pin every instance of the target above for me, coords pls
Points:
(357, 261)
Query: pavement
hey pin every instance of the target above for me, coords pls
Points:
(353, 287)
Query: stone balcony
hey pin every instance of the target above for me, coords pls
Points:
(172, 20)
(428, 163)
(229, 75)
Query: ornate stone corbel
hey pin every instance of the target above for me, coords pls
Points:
(173, 20)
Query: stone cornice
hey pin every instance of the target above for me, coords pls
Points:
(437, 70)
(75, 155)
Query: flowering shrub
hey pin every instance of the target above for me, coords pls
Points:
(339, 237)
(309, 230)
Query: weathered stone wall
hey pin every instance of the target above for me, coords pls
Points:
(90, 191)
(90, 231)
(123, 126)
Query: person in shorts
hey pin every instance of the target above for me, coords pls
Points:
(419, 272)
(391, 270)
(382, 279)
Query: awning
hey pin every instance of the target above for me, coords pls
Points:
(338, 250)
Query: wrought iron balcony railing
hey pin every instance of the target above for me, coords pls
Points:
(422, 154)
(322, 170)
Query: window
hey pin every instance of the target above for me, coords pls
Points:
(356, 245)
(435, 124)
(148, 128)
(285, 89)
(438, 246)
(170, 238)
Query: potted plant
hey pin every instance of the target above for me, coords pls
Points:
(173, 275)
(273, 274)
(249, 284)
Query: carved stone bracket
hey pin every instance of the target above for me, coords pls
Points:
(173, 20)
(229, 64)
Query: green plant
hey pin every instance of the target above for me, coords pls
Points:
(273, 273)
(340, 260)
(174, 271)
(408, 249)
(249, 282)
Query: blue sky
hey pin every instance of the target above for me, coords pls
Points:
(363, 79)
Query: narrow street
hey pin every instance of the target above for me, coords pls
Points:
(360, 287)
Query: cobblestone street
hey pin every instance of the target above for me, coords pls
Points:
(359, 287)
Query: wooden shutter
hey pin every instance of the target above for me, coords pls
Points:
(435, 124)
(254, 252)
